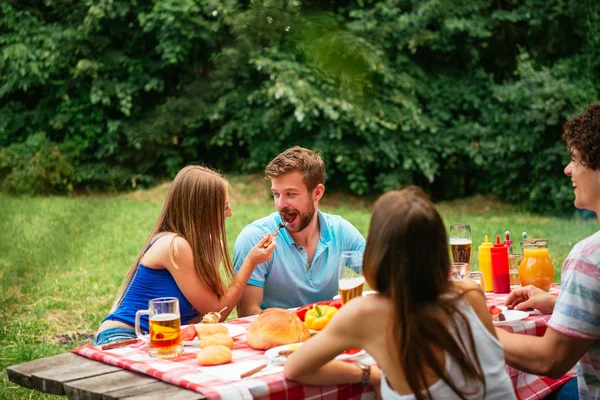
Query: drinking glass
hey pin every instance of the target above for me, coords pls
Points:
(514, 261)
(461, 243)
(350, 278)
(461, 270)
(165, 327)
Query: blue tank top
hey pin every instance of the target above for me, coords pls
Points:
(150, 283)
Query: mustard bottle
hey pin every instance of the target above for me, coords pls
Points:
(485, 264)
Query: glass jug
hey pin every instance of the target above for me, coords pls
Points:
(536, 268)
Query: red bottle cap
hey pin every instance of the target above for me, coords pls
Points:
(498, 246)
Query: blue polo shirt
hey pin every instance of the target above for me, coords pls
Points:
(288, 280)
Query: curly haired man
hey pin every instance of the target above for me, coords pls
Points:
(573, 334)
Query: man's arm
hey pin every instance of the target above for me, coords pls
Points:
(551, 355)
(250, 301)
(531, 297)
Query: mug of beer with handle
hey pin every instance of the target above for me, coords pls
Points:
(165, 327)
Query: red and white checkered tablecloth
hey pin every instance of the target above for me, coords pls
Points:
(184, 371)
(271, 384)
(529, 386)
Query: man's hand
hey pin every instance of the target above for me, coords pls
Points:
(531, 297)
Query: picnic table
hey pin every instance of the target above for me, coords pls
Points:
(128, 373)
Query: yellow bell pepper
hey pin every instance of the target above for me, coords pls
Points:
(319, 316)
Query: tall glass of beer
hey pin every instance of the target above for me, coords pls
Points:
(165, 327)
(460, 243)
(350, 278)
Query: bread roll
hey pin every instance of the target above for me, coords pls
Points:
(217, 338)
(209, 329)
(274, 327)
(214, 355)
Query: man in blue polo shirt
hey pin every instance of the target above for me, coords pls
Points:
(304, 264)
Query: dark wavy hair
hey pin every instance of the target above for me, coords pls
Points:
(407, 260)
(582, 133)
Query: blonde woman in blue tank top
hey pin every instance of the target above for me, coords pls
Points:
(432, 338)
(183, 257)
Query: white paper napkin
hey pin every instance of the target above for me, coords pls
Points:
(232, 371)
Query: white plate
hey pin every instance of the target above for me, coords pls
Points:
(365, 293)
(234, 330)
(511, 316)
(273, 353)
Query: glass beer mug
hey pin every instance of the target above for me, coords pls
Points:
(350, 279)
(165, 327)
(536, 268)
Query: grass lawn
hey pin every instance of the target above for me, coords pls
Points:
(62, 259)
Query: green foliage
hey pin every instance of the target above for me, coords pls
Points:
(458, 97)
(36, 166)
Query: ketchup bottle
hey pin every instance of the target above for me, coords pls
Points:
(500, 277)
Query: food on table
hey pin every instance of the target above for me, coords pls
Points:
(274, 327)
(217, 338)
(203, 330)
(211, 318)
(301, 312)
(188, 332)
(496, 313)
(319, 317)
(214, 355)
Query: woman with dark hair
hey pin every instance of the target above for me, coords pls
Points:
(434, 338)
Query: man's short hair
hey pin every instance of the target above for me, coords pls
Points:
(305, 161)
(582, 133)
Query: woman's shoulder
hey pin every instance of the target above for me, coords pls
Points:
(167, 247)
(471, 292)
(466, 288)
(368, 309)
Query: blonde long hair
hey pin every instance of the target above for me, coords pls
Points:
(195, 210)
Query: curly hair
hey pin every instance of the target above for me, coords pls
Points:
(582, 133)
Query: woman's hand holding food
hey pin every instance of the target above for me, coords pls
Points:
(259, 253)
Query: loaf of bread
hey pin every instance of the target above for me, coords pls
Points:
(214, 355)
(203, 330)
(218, 338)
(274, 327)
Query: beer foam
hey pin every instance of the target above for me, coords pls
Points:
(164, 317)
(351, 283)
(460, 241)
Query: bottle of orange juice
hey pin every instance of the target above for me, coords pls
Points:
(536, 268)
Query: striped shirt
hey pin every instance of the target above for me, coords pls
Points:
(577, 310)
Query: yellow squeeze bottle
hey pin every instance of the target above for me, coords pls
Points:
(485, 264)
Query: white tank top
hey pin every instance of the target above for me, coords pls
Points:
(491, 358)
